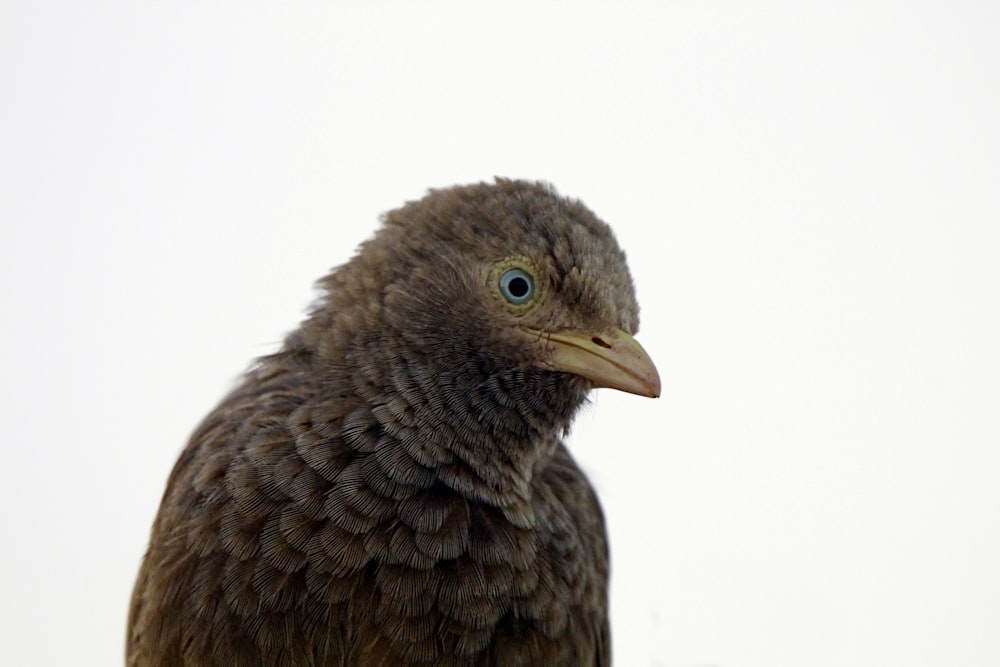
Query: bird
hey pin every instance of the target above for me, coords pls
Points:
(392, 486)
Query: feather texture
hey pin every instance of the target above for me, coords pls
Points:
(391, 487)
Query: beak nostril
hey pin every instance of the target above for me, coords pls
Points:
(600, 342)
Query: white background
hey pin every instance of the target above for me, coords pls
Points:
(808, 195)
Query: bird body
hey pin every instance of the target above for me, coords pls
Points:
(391, 487)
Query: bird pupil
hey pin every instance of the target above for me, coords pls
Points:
(518, 287)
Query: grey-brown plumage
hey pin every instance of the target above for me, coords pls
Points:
(390, 488)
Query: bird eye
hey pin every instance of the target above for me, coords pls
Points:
(517, 286)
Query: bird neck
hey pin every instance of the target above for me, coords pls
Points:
(483, 431)
(486, 439)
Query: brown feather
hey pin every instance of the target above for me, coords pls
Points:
(390, 488)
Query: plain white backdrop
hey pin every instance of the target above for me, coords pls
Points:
(808, 196)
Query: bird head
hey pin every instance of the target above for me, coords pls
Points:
(502, 287)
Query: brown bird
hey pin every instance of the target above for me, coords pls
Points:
(391, 487)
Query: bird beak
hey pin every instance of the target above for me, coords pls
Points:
(610, 359)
